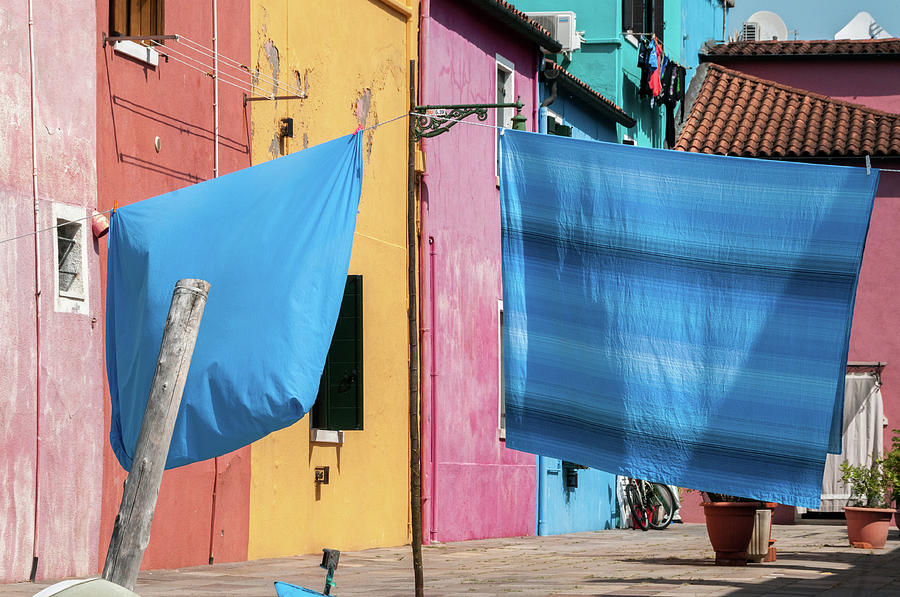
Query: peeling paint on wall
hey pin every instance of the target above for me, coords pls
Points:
(271, 51)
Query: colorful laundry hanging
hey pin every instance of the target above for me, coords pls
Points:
(678, 317)
(662, 80)
(274, 243)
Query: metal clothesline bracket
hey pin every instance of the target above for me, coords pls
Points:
(261, 98)
(111, 39)
(431, 125)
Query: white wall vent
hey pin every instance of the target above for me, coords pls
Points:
(750, 31)
(561, 26)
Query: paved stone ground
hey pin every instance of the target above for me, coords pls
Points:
(813, 559)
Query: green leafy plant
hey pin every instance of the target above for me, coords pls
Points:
(891, 464)
(869, 485)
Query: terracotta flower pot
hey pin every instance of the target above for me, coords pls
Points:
(868, 527)
(730, 526)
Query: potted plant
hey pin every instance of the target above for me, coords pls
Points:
(869, 518)
(729, 524)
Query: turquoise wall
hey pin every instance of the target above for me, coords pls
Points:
(607, 60)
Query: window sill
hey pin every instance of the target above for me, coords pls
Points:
(326, 436)
(632, 39)
(137, 51)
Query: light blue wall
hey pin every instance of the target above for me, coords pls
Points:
(592, 505)
(701, 20)
(586, 124)
(589, 507)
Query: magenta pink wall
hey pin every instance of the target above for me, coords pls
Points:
(870, 82)
(69, 466)
(476, 486)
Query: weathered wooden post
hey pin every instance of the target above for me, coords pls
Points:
(131, 532)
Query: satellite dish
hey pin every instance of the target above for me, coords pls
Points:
(770, 26)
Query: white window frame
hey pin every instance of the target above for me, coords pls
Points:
(500, 115)
(501, 386)
(66, 301)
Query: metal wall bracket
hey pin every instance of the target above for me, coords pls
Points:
(111, 39)
(431, 125)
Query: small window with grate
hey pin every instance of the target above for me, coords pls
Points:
(70, 281)
(339, 404)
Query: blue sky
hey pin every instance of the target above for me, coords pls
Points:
(818, 19)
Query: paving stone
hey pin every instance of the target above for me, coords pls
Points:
(812, 559)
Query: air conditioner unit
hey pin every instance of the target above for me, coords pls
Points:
(561, 26)
(750, 31)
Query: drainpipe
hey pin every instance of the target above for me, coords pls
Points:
(542, 129)
(430, 381)
(553, 77)
(37, 285)
(215, 48)
(215, 41)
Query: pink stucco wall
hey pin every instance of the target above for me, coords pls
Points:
(870, 82)
(473, 485)
(65, 480)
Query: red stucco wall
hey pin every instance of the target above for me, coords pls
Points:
(135, 104)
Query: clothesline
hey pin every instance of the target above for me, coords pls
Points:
(371, 127)
(109, 211)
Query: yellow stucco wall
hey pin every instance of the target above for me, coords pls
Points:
(352, 58)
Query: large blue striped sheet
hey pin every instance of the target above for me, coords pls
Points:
(679, 317)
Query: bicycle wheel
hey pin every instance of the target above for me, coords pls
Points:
(639, 517)
(662, 503)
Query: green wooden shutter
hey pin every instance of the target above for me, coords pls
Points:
(339, 404)
(560, 130)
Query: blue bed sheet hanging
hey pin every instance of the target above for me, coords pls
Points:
(274, 242)
(679, 317)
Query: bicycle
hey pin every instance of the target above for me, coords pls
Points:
(652, 505)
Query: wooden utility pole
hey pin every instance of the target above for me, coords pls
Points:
(131, 532)
(415, 478)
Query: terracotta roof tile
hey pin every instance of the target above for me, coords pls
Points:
(514, 17)
(573, 83)
(806, 48)
(738, 114)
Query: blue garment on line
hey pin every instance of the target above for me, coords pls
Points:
(274, 243)
(679, 317)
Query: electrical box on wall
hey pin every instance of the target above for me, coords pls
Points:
(322, 475)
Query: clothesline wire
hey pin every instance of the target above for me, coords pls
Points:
(232, 63)
(109, 211)
(33, 232)
(223, 77)
(368, 128)
(244, 89)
